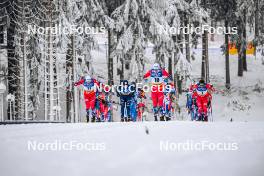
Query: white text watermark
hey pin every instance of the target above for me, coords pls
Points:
(204, 145)
(72, 29)
(58, 145)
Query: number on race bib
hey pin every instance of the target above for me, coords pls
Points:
(157, 80)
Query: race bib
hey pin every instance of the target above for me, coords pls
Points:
(156, 80)
(88, 86)
(202, 91)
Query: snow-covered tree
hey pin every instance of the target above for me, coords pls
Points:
(244, 15)
(225, 10)
(137, 22)
(23, 59)
(259, 27)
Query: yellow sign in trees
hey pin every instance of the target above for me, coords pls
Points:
(233, 49)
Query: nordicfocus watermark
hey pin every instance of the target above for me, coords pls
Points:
(72, 29)
(190, 29)
(204, 145)
(79, 30)
(58, 145)
(131, 88)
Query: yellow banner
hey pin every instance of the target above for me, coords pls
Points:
(233, 49)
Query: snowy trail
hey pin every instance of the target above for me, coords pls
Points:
(130, 151)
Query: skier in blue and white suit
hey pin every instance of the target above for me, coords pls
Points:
(133, 105)
(126, 93)
(169, 96)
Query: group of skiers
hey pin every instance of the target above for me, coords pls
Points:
(163, 94)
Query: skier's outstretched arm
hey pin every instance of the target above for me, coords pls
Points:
(79, 82)
(166, 75)
(147, 75)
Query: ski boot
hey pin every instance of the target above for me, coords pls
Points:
(87, 119)
(162, 118)
(155, 117)
(87, 116)
(162, 114)
(93, 119)
(155, 110)
(205, 118)
(122, 119)
(168, 118)
(102, 118)
(98, 119)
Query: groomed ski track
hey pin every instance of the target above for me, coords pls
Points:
(133, 149)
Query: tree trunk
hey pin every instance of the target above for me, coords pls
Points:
(122, 69)
(205, 59)
(180, 42)
(69, 88)
(110, 64)
(174, 38)
(213, 24)
(240, 63)
(227, 57)
(203, 71)
(110, 59)
(12, 65)
(25, 108)
(240, 50)
(207, 74)
(177, 77)
(74, 74)
(51, 65)
(170, 64)
(256, 24)
(245, 42)
(187, 41)
(45, 77)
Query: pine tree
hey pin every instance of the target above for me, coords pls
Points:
(23, 70)
(225, 10)
(244, 15)
(138, 22)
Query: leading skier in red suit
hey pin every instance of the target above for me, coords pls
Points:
(89, 85)
(156, 77)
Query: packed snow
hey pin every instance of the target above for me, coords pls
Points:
(133, 149)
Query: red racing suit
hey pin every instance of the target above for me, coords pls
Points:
(202, 94)
(89, 92)
(140, 105)
(157, 83)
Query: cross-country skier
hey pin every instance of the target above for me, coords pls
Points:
(169, 96)
(137, 103)
(126, 93)
(191, 102)
(140, 104)
(133, 105)
(191, 106)
(202, 93)
(103, 107)
(89, 85)
(157, 76)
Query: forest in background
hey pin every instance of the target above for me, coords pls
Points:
(40, 68)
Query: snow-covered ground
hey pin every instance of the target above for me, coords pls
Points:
(126, 149)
